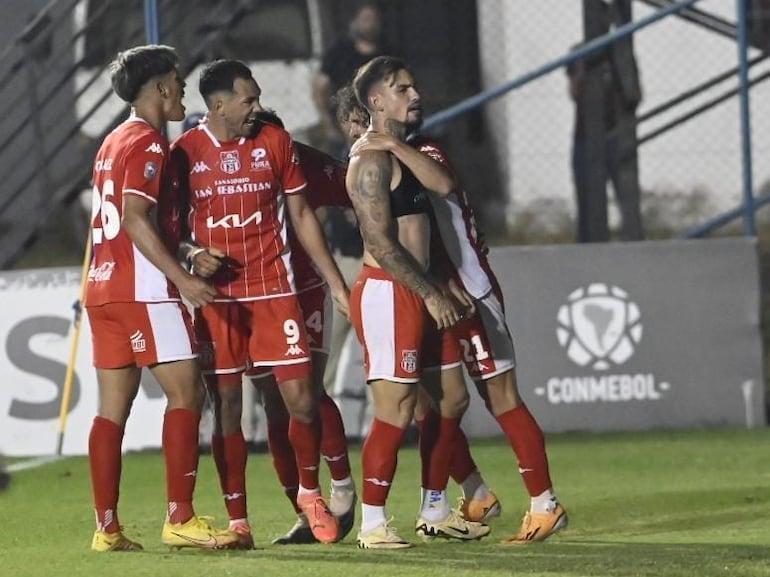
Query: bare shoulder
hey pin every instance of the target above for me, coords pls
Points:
(370, 172)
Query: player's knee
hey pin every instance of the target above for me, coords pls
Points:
(300, 399)
(456, 403)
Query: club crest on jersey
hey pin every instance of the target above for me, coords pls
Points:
(258, 160)
(150, 170)
(409, 361)
(229, 161)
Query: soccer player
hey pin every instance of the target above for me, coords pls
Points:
(242, 177)
(390, 303)
(133, 304)
(443, 358)
(326, 187)
(488, 351)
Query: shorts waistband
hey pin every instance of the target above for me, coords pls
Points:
(369, 271)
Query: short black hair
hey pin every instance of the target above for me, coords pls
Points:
(220, 75)
(134, 67)
(375, 70)
(346, 104)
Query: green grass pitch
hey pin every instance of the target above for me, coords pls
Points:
(693, 503)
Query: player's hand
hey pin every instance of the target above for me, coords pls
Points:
(341, 296)
(463, 297)
(373, 141)
(207, 261)
(196, 290)
(443, 310)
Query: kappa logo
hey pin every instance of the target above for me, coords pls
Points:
(199, 167)
(155, 147)
(138, 342)
(378, 482)
(258, 159)
(599, 326)
(229, 161)
(294, 351)
(409, 361)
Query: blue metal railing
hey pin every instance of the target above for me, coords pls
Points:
(749, 206)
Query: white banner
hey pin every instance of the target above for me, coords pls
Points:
(36, 324)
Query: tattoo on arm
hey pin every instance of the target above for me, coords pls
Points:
(369, 185)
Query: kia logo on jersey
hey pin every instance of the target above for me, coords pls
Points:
(229, 161)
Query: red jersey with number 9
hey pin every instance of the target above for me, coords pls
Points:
(237, 196)
(131, 160)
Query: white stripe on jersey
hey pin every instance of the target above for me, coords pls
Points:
(285, 251)
(459, 247)
(213, 138)
(150, 285)
(245, 249)
(139, 193)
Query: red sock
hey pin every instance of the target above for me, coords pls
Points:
(437, 443)
(305, 439)
(180, 448)
(462, 462)
(284, 460)
(104, 445)
(379, 457)
(334, 445)
(526, 438)
(230, 455)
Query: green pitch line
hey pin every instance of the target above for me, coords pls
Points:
(643, 504)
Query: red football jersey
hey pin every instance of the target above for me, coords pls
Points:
(236, 192)
(326, 187)
(457, 226)
(131, 160)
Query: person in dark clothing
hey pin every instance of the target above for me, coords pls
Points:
(606, 91)
(340, 62)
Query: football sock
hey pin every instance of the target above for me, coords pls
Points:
(545, 502)
(342, 483)
(104, 457)
(437, 443)
(474, 487)
(371, 517)
(230, 454)
(462, 465)
(526, 439)
(305, 439)
(302, 491)
(379, 457)
(435, 506)
(180, 449)
(284, 460)
(334, 445)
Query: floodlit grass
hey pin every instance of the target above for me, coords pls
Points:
(650, 504)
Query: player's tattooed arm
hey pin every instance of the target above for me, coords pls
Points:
(368, 184)
(430, 173)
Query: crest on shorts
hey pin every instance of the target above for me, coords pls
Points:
(229, 161)
(409, 361)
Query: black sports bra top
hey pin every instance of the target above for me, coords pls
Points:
(409, 197)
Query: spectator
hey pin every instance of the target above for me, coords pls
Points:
(362, 43)
(606, 92)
